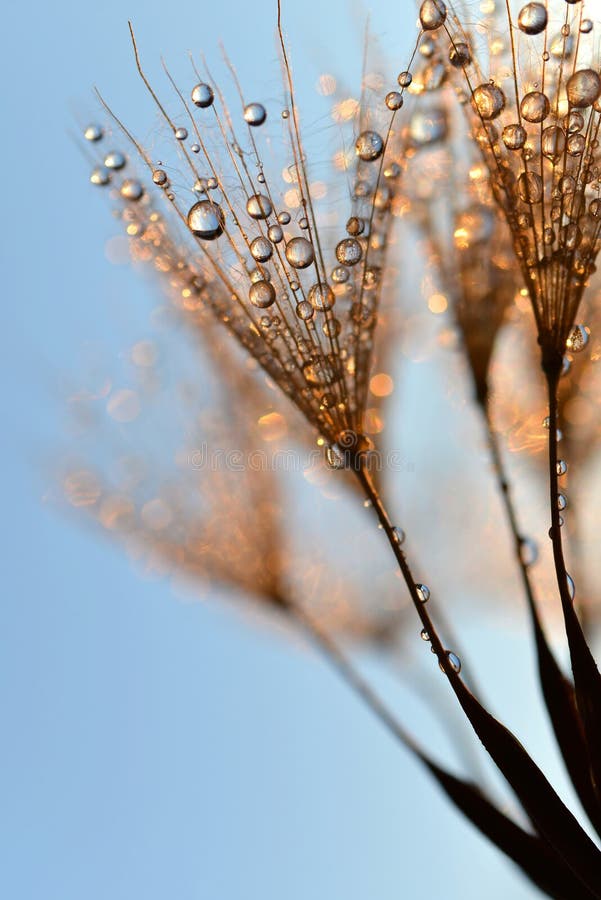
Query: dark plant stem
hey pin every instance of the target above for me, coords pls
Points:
(550, 816)
(586, 675)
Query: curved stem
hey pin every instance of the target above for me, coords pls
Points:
(548, 813)
(555, 530)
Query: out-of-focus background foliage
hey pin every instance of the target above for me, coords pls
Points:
(155, 742)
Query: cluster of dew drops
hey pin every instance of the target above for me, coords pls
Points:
(206, 218)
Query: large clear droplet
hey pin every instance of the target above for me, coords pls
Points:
(532, 18)
(258, 206)
(261, 249)
(299, 253)
(255, 114)
(321, 297)
(535, 106)
(369, 146)
(202, 95)
(261, 294)
(349, 252)
(206, 220)
(530, 187)
(583, 88)
(488, 101)
(432, 14)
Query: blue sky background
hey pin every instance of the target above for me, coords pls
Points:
(153, 748)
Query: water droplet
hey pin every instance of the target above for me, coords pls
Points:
(459, 55)
(335, 457)
(131, 189)
(299, 253)
(369, 146)
(530, 187)
(195, 148)
(255, 114)
(423, 592)
(404, 79)
(562, 501)
(424, 635)
(275, 234)
(340, 275)
(202, 95)
(398, 534)
(261, 294)
(562, 467)
(553, 142)
(93, 133)
(571, 586)
(454, 662)
(535, 106)
(180, 134)
(319, 371)
(528, 551)
(432, 14)
(321, 297)
(371, 277)
(577, 338)
(331, 327)
(258, 206)
(115, 160)
(488, 101)
(206, 220)
(586, 26)
(562, 46)
(284, 218)
(100, 176)
(261, 249)
(583, 88)
(304, 310)
(394, 100)
(532, 18)
(349, 252)
(159, 176)
(355, 226)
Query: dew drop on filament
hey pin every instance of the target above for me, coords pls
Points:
(93, 133)
(299, 253)
(399, 535)
(423, 592)
(202, 95)
(532, 18)
(206, 220)
(454, 662)
(577, 338)
(255, 114)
